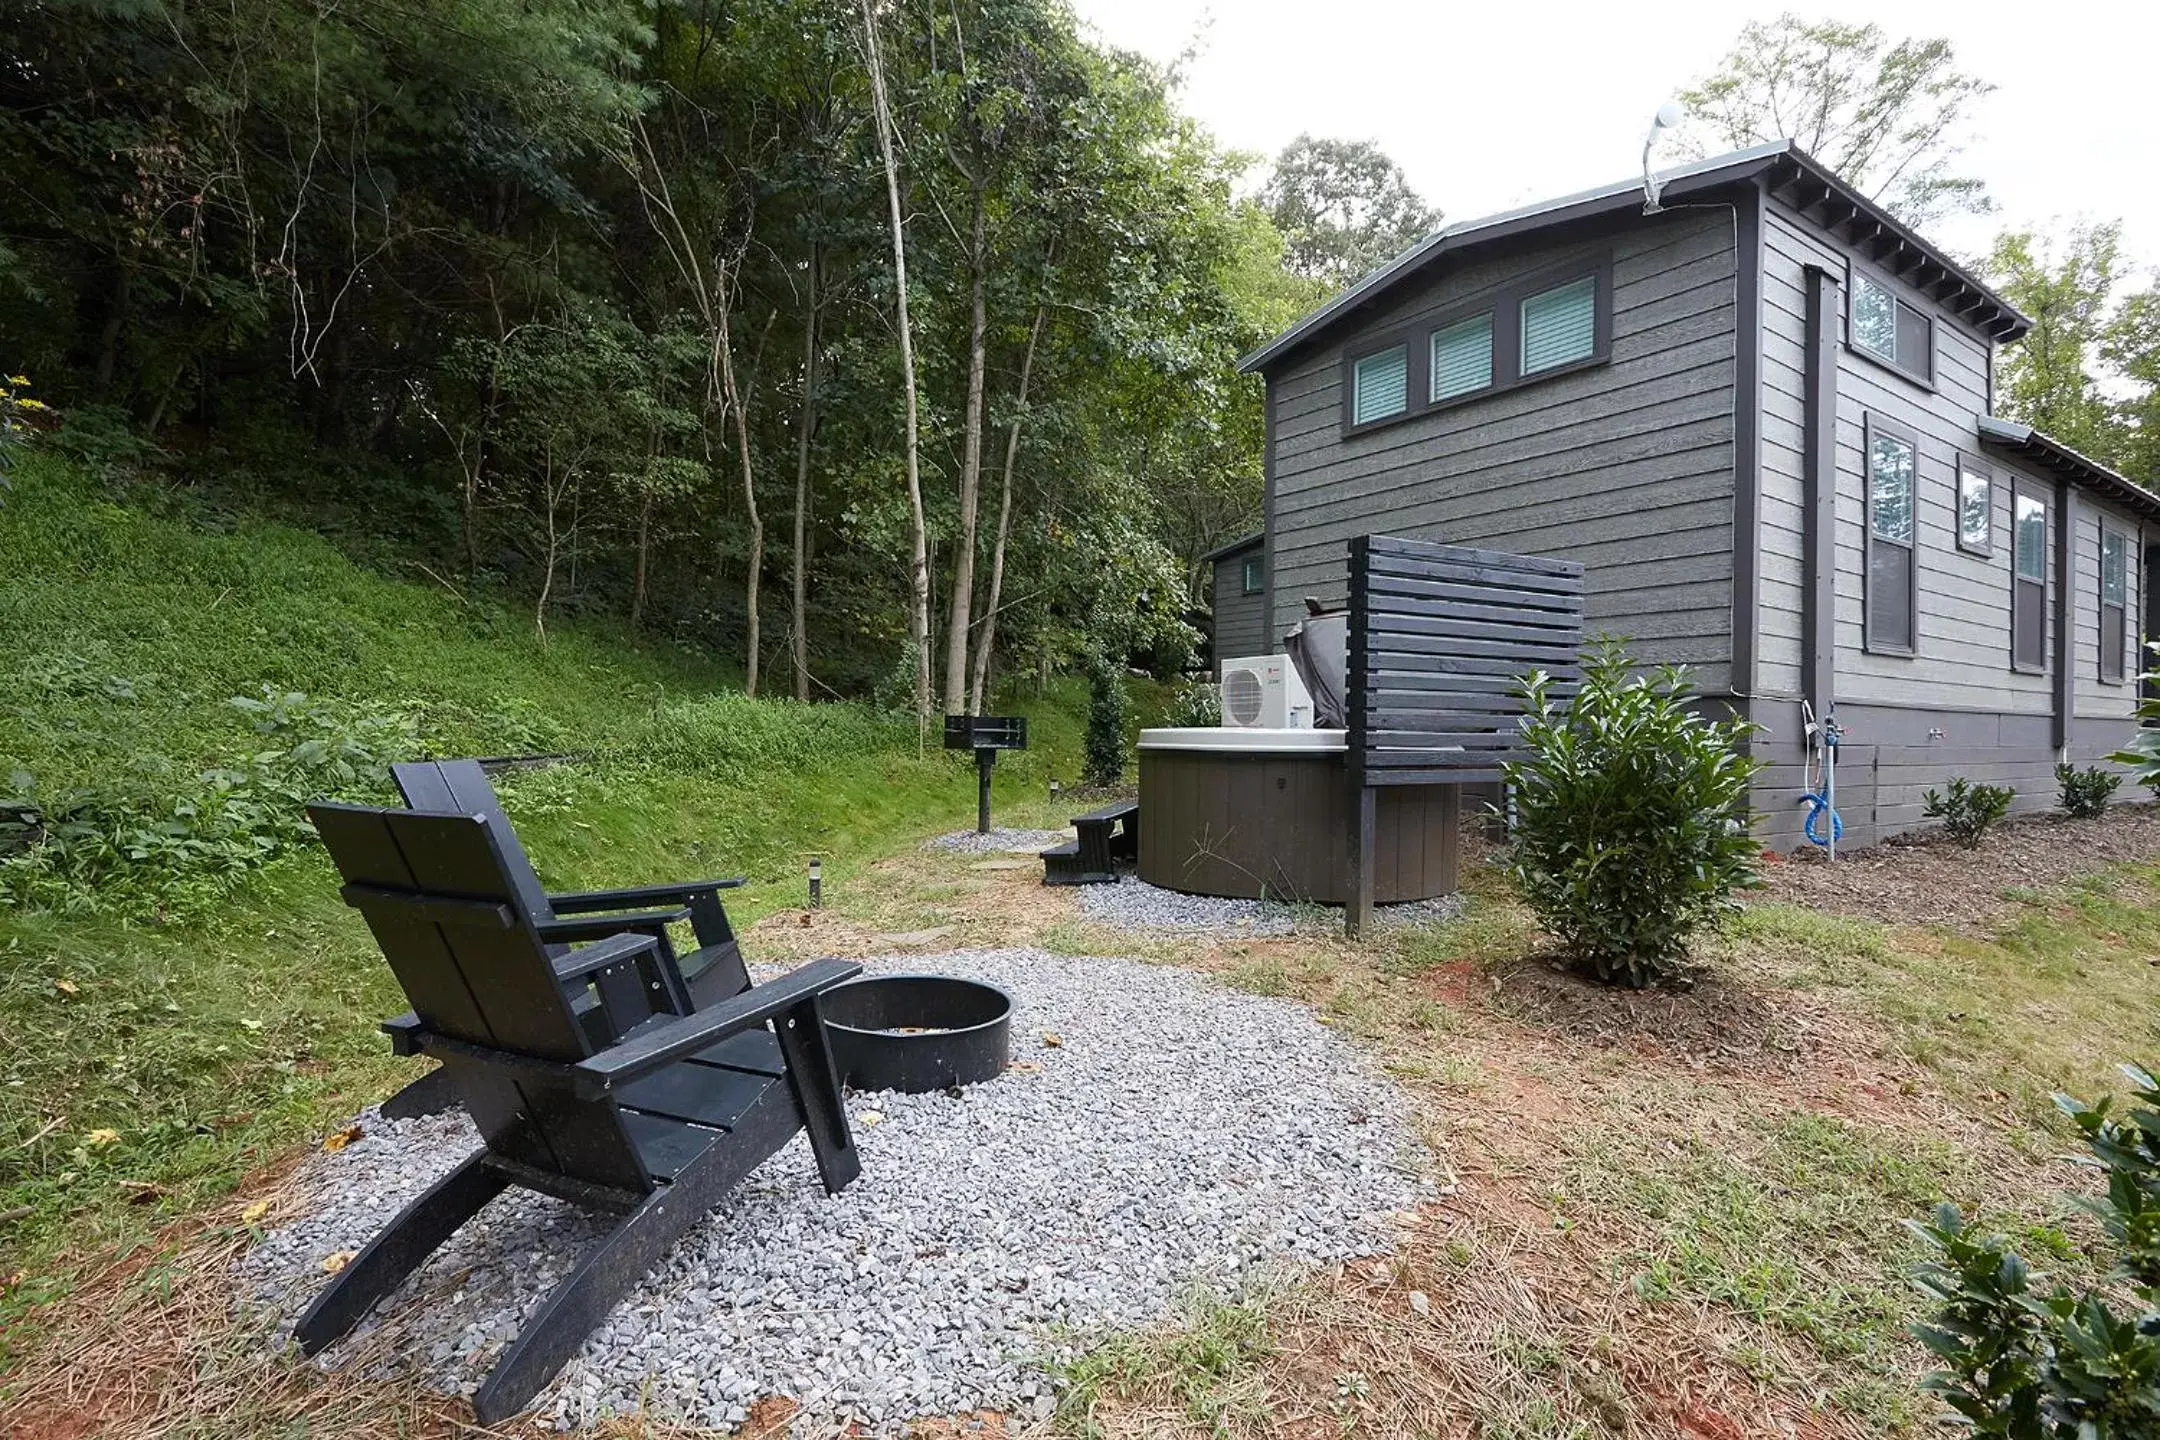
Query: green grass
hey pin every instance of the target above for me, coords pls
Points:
(2050, 1001)
(1207, 1366)
(153, 1054)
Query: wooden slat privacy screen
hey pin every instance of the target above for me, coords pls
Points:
(1440, 636)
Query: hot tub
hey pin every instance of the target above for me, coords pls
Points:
(1266, 812)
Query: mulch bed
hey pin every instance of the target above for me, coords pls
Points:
(1927, 880)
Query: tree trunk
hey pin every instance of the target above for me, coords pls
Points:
(549, 498)
(985, 641)
(725, 348)
(919, 568)
(637, 586)
(963, 578)
(108, 359)
(805, 427)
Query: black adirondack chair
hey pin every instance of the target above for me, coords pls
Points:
(713, 971)
(656, 1127)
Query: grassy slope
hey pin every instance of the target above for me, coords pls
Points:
(210, 1043)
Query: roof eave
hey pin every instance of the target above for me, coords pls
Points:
(2045, 452)
(1243, 542)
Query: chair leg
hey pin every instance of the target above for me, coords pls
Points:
(810, 1071)
(610, 1270)
(402, 1247)
(431, 1094)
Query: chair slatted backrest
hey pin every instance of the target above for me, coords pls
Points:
(462, 787)
(439, 894)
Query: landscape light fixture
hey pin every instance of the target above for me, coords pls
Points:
(1668, 117)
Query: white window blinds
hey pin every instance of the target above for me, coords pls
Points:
(1559, 326)
(1462, 358)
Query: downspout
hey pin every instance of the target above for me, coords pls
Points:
(1818, 531)
(2065, 639)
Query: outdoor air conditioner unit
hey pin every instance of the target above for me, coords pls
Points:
(1263, 692)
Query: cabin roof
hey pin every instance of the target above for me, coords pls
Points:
(1786, 170)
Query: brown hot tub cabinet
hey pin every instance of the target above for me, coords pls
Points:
(1253, 812)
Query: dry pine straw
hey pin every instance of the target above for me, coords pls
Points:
(1522, 1328)
(1924, 880)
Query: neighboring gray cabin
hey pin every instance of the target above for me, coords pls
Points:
(1761, 419)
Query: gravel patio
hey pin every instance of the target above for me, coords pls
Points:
(1156, 1132)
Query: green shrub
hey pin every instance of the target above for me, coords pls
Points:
(2142, 754)
(1104, 758)
(1630, 816)
(1968, 811)
(2085, 792)
(17, 409)
(2026, 1360)
(1195, 703)
(157, 844)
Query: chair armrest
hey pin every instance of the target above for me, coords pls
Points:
(666, 1043)
(579, 902)
(612, 949)
(599, 927)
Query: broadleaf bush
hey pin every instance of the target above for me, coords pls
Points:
(1630, 815)
(1196, 703)
(1967, 810)
(162, 843)
(2085, 793)
(2025, 1359)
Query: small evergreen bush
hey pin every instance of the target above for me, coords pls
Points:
(1630, 822)
(1968, 811)
(1104, 760)
(2025, 1360)
(2085, 793)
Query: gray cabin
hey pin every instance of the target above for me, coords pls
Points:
(1760, 415)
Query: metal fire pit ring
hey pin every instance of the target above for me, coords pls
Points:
(917, 1032)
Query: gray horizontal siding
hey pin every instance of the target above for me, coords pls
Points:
(2096, 699)
(1964, 600)
(1626, 467)
(1893, 755)
(1240, 619)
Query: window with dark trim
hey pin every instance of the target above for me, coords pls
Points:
(1544, 325)
(1380, 385)
(2028, 580)
(1462, 357)
(1885, 328)
(1892, 587)
(1975, 507)
(1559, 326)
(2114, 602)
(1250, 575)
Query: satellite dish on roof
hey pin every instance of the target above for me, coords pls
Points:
(1668, 117)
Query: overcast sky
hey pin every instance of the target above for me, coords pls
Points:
(1452, 92)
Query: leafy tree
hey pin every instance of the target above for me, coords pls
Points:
(586, 295)
(1888, 117)
(2131, 348)
(1344, 208)
(2048, 378)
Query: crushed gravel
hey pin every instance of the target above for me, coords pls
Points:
(1133, 904)
(998, 841)
(1175, 1132)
